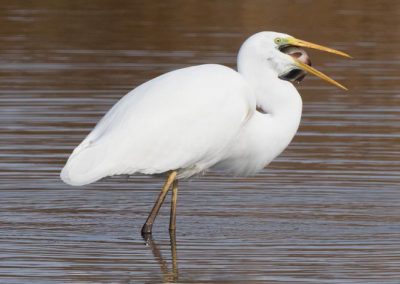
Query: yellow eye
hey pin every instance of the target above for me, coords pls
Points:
(278, 40)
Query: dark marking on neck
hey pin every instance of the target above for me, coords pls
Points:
(260, 110)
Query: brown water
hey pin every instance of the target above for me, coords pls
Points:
(327, 211)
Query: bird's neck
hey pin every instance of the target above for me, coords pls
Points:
(274, 96)
(279, 103)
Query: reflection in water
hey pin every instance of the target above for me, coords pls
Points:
(169, 276)
(326, 211)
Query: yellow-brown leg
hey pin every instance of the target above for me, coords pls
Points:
(146, 229)
(174, 198)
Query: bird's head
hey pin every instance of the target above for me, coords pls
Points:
(283, 54)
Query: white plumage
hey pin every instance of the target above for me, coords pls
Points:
(166, 123)
(196, 118)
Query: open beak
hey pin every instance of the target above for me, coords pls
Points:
(317, 73)
(305, 67)
(303, 43)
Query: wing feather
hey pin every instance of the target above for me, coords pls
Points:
(183, 120)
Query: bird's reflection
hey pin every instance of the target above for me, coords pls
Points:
(168, 276)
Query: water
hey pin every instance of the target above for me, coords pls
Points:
(326, 211)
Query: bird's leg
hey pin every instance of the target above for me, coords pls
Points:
(172, 220)
(146, 229)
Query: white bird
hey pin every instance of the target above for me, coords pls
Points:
(196, 118)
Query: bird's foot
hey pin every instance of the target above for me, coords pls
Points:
(146, 229)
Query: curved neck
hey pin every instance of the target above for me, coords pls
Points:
(274, 96)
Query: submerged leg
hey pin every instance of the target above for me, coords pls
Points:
(174, 198)
(146, 229)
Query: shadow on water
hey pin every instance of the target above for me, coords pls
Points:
(169, 275)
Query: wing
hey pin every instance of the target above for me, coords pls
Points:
(183, 120)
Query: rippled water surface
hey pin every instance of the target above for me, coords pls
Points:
(326, 211)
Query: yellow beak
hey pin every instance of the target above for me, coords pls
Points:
(317, 73)
(302, 43)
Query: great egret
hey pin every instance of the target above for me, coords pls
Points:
(207, 116)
